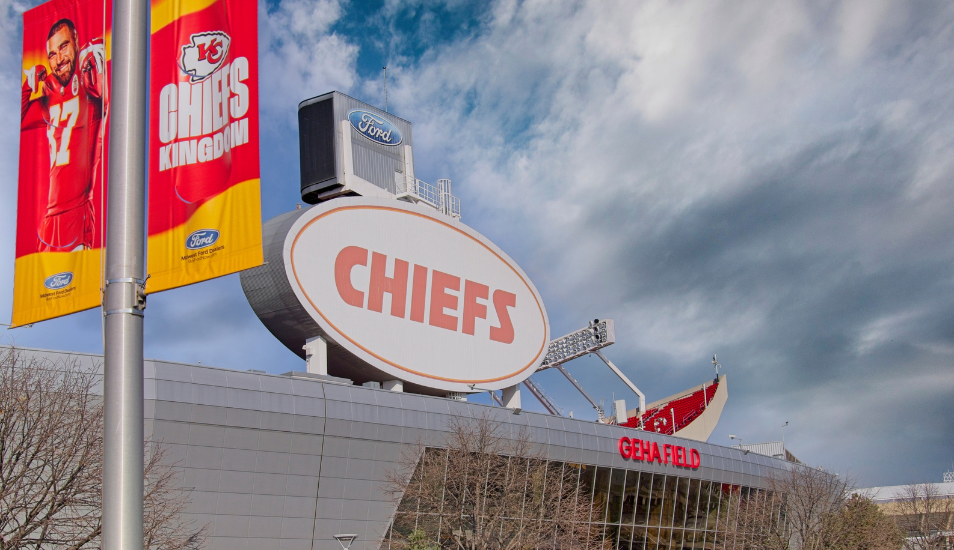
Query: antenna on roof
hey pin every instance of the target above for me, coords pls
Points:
(385, 88)
(715, 364)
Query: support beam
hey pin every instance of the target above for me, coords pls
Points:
(599, 410)
(316, 356)
(511, 397)
(642, 396)
(537, 392)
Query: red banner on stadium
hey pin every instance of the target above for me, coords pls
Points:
(62, 185)
(204, 198)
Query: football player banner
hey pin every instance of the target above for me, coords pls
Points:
(61, 187)
(204, 198)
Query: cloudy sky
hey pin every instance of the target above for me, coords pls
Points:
(771, 182)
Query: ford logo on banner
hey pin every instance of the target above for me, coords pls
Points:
(202, 238)
(58, 281)
(375, 128)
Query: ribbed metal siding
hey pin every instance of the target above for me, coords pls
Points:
(373, 162)
(316, 141)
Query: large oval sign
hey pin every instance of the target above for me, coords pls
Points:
(375, 127)
(416, 294)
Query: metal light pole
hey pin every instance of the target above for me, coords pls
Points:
(124, 300)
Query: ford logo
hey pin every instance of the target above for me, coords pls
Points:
(375, 128)
(58, 281)
(202, 238)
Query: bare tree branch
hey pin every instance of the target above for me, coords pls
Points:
(482, 487)
(51, 463)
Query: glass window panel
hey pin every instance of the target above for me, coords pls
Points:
(693, 539)
(600, 494)
(639, 538)
(617, 484)
(643, 498)
(669, 499)
(625, 537)
(656, 499)
(693, 505)
(629, 497)
(681, 504)
(665, 536)
(652, 538)
(587, 473)
(536, 485)
(677, 539)
(554, 490)
(610, 536)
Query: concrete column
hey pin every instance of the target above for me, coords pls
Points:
(316, 356)
(394, 385)
(511, 397)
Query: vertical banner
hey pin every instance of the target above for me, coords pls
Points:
(204, 199)
(62, 184)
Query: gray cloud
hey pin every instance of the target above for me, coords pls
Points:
(768, 182)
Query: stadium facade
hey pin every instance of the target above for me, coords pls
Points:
(289, 461)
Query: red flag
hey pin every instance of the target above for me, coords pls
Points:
(63, 144)
(204, 197)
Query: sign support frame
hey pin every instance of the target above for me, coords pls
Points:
(124, 296)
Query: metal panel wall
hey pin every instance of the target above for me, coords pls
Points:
(373, 162)
(277, 462)
(316, 142)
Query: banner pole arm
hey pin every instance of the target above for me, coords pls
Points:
(124, 299)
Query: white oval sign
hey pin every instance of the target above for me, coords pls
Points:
(416, 294)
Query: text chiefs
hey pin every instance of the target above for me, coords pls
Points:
(210, 112)
(445, 292)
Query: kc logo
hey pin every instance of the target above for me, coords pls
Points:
(211, 52)
(204, 54)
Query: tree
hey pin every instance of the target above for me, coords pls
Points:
(924, 515)
(480, 488)
(804, 509)
(51, 463)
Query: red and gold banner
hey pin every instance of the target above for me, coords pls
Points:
(62, 184)
(204, 198)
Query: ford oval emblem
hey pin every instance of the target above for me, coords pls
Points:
(202, 238)
(58, 281)
(375, 127)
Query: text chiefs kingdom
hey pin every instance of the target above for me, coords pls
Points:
(203, 118)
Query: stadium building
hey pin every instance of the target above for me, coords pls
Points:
(399, 311)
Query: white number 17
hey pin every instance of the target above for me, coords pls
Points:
(64, 114)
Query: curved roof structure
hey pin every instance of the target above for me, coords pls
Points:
(692, 414)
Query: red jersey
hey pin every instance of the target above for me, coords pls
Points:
(72, 115)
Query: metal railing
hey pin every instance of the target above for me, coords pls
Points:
(438, 197)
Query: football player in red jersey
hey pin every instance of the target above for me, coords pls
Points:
(69, 104)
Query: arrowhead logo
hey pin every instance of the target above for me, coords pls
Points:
(204, 54)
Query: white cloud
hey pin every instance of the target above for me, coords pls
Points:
(300, 56)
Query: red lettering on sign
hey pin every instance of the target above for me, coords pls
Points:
(473, 310)
(626, 447)
(440, 299)
(395, 286)
(418, 293)
(637, 453)
(503, 333)
(676, 455)
(349, 257)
